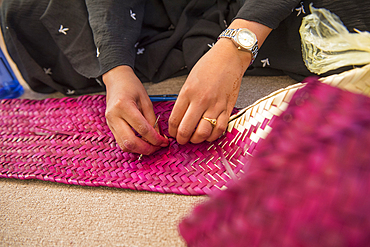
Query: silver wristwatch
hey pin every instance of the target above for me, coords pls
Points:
(244, 39)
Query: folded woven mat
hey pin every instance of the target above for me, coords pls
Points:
(308, 184)
(68, 141)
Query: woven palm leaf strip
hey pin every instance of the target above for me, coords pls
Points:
(67, 141)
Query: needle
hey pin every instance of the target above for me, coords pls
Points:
(155, 125)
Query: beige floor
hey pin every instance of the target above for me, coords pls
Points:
(38, 213)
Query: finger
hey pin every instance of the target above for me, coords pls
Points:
(202, 132)
(177, 115)
(188, 123)
(206, 131)
(148, 112)
(221, 126)
(151, 117)
(140, 123)
(129, 142)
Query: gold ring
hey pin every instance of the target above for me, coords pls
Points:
(212, 121)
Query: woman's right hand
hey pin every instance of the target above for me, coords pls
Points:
(129, 106)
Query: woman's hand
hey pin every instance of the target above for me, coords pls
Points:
(129, 106)
(210, 91)
(212, 88)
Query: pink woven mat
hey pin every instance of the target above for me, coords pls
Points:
(67, 141)
(308, 184)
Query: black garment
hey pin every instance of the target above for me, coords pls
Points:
(169, 36)
(74, 41)
(48, 59)
(77, 41)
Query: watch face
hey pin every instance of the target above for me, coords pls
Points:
(246, 38)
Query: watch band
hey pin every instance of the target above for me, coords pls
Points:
(231, 34)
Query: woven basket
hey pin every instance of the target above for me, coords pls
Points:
(308, 184)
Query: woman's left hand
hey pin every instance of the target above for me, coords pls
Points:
(210, 91)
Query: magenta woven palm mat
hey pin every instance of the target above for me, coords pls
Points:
(67, 141)
(308, 184)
